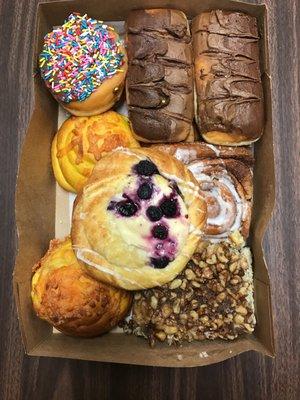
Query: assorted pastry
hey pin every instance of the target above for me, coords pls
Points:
(211, 299)
(158, 241)
(80, 143)
(224, 181)
(83, 63)
(227, 77)
(71, 300)
(138, 219)
(159, 85)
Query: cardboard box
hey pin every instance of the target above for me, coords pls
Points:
(39, 203)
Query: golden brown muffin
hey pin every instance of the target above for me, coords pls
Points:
(138, 219)
(82, 141)
(84, 64)
(72, 301)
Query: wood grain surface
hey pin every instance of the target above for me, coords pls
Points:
(249, 376)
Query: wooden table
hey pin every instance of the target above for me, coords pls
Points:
(249, 376)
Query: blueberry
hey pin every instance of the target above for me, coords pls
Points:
(161, 262)
(160, 232)
(169, 208)
(145, 191)
(154, 213)
(146, 168)
(126, 208)
(112, 205)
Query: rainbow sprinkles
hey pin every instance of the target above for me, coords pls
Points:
(78, 56)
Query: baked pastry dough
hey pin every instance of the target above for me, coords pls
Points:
(103, 98)
(159, 85)
(227, 77)
(213, 298)
(138, 219)
(225, 178)
(188, 152)
(71, 300)
(84, 64)
(82, 141)
(227, 187)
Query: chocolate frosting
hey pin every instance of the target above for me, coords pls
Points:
(226, 23)
(228, 82)
(164, 21)
(156, 125)
(149, 97)
(159, 84)
(205, 42)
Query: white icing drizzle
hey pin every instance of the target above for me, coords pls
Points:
(214, 149)
(185, 155)
(225, 207)
(194, 231)
(127, 151)
(79, 254)
(188, 187)
(81, 257)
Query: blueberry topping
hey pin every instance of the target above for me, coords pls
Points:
(160, 232)
(169, 208)
(145, 191)
(154, 213)
(126, 208)
(112, 205)
(161, 262)
(146, 168)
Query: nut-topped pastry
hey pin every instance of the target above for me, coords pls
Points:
(159, 86)
(211, 298)
(83, 63)
(138, 219)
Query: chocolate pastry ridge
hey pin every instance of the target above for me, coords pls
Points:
(159, 87)
(227, 76)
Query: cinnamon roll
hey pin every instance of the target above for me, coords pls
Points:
(227, 187)
(188, 152)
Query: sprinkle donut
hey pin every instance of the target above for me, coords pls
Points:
(83, 63)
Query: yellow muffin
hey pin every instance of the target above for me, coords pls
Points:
(70, 300)
(82, 141)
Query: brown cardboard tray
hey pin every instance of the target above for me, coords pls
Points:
(39, 203)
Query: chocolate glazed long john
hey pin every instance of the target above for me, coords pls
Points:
(228, 83)
(159, 86)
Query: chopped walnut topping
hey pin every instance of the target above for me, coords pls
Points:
(212, 298)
